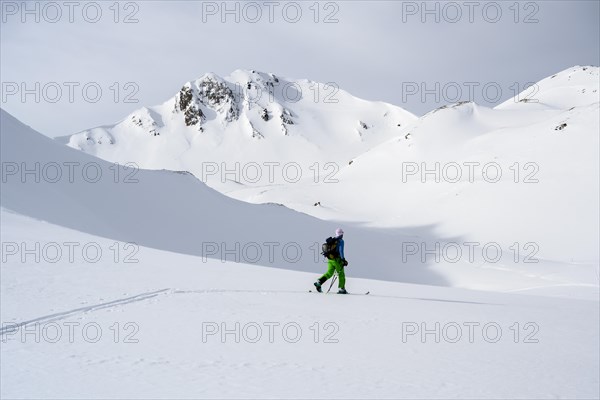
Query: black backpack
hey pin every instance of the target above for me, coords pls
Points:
(330, 248)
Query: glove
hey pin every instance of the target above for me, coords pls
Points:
(344, 262)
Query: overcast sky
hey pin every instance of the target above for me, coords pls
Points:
(386, 51)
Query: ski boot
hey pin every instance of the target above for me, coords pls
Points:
(319, 283)
(342, 291)
(318, 286)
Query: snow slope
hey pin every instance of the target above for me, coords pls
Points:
(573, 87)
(544, 144)
(176, 212)
(247, 117)
(108, 288)
(523, 172)
(113, 329)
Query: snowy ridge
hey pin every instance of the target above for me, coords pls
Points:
(547, 155)
(176, 212)
(573, 87)
(546, 151)
(249, 116)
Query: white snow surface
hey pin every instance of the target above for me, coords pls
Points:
(176, 212)
(172, 304)
(497, 175)
(166, 307)
(523, 172)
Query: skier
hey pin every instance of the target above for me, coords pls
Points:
(335, 262)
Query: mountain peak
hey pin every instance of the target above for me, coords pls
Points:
(248, 115)
(572, 87)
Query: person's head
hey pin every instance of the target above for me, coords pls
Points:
(339, 232)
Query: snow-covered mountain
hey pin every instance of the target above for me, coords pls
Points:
(496, 175)
(247, 117)
(489, 175)
(174, 211)
(572, 87)
(186, 324)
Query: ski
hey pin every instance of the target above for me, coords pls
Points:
(355, 294)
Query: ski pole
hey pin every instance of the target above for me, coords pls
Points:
(332, 281)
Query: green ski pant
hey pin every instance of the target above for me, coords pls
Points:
(332, 266)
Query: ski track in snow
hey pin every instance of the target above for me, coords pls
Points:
(65, 314)
(9, 328)
(332, 293)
